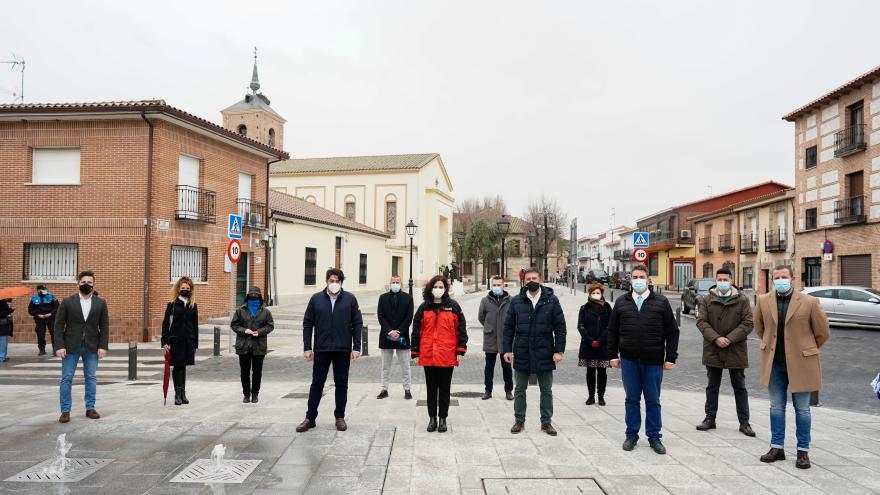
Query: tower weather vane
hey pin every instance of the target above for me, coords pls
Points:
(15, 63)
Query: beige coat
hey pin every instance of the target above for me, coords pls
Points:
(806, 329)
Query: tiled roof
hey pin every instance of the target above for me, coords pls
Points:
(134, 106)
(253, 102)
(833, 94)
(711, 198)
(294, 207)
(739, 206)
(352, 163)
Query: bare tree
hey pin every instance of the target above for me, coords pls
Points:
(550, 222)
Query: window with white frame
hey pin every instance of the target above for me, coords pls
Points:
(189, 261)
(55, 262)
(55, 166)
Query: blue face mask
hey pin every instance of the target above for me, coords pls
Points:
(723, 286)
(640, 284)
(497, 291)
(395, 288)
(782, 285)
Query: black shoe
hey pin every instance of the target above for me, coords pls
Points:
(407, 395)
(254, 399)
(441, 426)
(183, 396)
(803, 460)
(486, 396)
(707, 424)
(42, 352)
(177, 400)
(747, 430)
(508, 395)
(590, 400)
(548, 429)
(382, 395)
(657, 445)
(773, 455)
(630, 443)
(432, 425)
(601, 400)
(247, 398)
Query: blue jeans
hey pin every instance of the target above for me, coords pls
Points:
(4, 343)
(638, 380)
(778, 391)
(90, 370)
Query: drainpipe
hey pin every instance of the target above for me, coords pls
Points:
(270, 294)
(145, 331)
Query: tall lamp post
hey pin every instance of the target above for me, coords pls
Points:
(547, 218)
(503, 225)
(411, 229)
(460, 237)
(531, 236)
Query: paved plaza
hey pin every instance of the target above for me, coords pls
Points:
(139, 446)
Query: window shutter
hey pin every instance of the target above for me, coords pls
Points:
(55, 166)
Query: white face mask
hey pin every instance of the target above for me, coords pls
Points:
(438, 293)
(334, 287)
(596, 297)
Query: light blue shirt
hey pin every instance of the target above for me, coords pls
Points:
(332, 300)
(640, 298)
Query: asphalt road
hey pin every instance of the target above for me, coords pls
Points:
(850, 361)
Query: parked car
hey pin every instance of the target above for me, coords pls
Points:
(695, 290)
(597, 275)
(848, 304)
(619, 280)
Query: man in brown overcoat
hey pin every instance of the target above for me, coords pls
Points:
(725, 320)
(792, 327)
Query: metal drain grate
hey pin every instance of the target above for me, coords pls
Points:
(467, 395)
(77, 470)
(202, 471)
(299, 395)
(528, 486)
(424, 403)
(142, 384)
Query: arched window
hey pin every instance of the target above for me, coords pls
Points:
(730, 265)
(272, 137)
(708, 270)
(311, 199)
(391, 215)
(242, 129)
(350, 208)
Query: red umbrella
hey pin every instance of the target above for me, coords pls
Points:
(166, 376)
(10, 292)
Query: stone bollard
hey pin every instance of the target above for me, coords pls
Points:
(216, 341)
(365, 341)
(678, 316)
(132, 361)
(612, 295)
(814, 399)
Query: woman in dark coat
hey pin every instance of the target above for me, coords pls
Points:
(251, 324)
(439, 341)
(180, 334)
(593, 354)
(5, 327)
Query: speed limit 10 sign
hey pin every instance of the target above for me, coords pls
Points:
(640, 255)
(234, 250)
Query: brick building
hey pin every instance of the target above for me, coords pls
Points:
(837, 169)
(139, 192)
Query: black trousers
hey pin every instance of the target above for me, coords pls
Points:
(42, 326)
(439, 383)
(251, 373)
(597, 378)
(178, 376)
(341, 362)
(738, 382)
(489, 373)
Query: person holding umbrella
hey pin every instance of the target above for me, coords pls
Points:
(251, 324)
(180, 334)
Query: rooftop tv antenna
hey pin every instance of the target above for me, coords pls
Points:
(17, 63)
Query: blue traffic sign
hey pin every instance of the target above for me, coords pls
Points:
(641, 239)
(234, 230)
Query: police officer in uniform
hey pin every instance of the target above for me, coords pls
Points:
(43, 307)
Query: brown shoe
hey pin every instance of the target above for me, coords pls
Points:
(306, 425)
(773, 455)
(517, 427)
(64, 418)
(548, 429)
(803, 460)
(92, 414)
(340, 424)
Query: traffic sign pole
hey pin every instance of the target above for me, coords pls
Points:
(233, 252)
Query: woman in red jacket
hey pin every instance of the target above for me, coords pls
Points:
(439, 340)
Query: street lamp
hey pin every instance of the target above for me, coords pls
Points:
(531, 236)
(503, 225)
(548, 217)
(411, 229)
(460, 237)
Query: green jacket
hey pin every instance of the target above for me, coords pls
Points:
(71, 330)
(731, 319)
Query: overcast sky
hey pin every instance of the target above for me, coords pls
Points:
(631, 105)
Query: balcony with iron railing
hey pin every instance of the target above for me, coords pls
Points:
(748, 243)
(705, 244)
(849, 210)
(726, 242)
(196, 204)
(622, 254)
(775, 240)
(253, 213)
(850, 140)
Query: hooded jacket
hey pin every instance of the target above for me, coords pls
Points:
(731, 318)
(439, 333)
(492, 312)
(534, 334)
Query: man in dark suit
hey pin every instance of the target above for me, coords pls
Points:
(395, 314)
(82, 330)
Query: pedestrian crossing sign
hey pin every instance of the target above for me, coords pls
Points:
(641, 239)
(234, 231)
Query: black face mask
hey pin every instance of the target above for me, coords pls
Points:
(533, 286)
(185, 293)
(85, 288)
